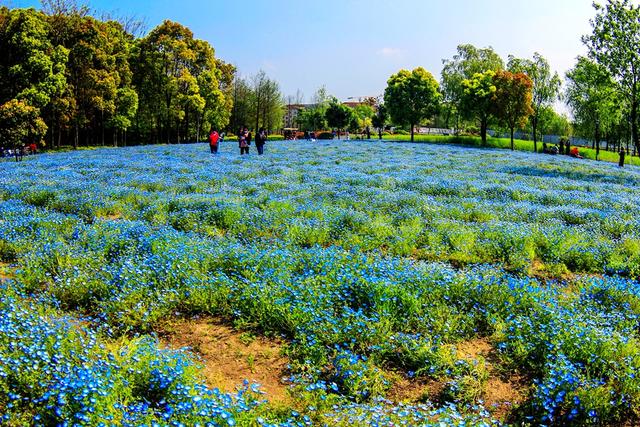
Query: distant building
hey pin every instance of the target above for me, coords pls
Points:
(291, 114)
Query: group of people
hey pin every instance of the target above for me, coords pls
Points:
(565, 148)
(245, 137)
(19, 152)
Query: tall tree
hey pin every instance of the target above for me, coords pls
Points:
(478, 99)
(512, 99)
(180, 83)
(313, 117)
(379, 120)
(593, 96)
(338, 115)
(364, 114)
(468, 61)
(546, 87)
(412, 96)
(31, 69)
(614, 44)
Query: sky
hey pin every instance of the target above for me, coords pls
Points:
(353, 46)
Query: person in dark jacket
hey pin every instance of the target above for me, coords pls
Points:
(242, 142)
(261, 140)
(622, 154)
(249, 136)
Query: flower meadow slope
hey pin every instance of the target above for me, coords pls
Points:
(376, 263)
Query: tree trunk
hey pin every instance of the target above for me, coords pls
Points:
(102, 124)
(483, 130)
(512, 147)
(596, 141)
(534, 128)
(634, 120)
(412, 131)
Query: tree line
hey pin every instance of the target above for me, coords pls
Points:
(479, 90)
(70, 78)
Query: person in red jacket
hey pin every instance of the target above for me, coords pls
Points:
(213, 141)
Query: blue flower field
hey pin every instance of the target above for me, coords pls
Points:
(412, 285)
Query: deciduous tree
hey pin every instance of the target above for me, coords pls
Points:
(338, 115)
(614, 44)
(412, 96)
(593, 96)
(478, 99)
(546, 87)
(512, 99)
(20, 123)
(468, 61)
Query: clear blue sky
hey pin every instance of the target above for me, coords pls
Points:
(352, 46)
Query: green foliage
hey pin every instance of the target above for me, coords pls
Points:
(411, 96)
(478, 99)
(20, 124)
(546, 87)
(613, 44)
(338, 115)
(7, 251)
(594, 97)
(468, 61)
(31, 67)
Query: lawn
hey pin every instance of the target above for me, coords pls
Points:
(505, 143)
(360, 283)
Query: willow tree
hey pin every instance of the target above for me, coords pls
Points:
(614, 44)
(593, 96)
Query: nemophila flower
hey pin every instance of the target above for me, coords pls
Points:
(346, 259)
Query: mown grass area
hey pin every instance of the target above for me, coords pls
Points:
(505, 143)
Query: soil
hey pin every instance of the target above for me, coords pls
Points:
(503, 392)
(6, 272)
(230, 357)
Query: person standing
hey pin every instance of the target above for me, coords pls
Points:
(622, 154)
(214, 138)
(261, 139)
(249, 137)
(567, 147)
(242, 142)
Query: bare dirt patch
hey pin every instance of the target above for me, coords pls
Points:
(6, 272)
(230, 357)
(503, 391)
(414, 390)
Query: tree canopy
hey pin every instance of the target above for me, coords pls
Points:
(593, 96)
(89, 80)
(614, 44)
(512, 99)
(412, 96)
(545, 87)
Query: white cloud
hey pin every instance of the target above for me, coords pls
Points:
(268, 65)
(390, 52)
